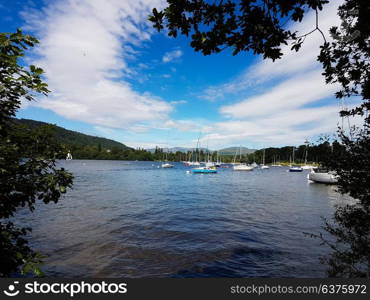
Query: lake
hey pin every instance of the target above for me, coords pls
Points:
(134, 219)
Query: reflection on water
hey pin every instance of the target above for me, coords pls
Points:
(133, 219)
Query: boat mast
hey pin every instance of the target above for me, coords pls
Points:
(236, 152)
(305, 159)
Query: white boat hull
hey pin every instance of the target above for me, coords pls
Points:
(166, 166)
(242, 168)
(308, 167)
(327, 178)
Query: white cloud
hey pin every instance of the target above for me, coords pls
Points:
(290, 94)
(183, 125)
(84, 50)
(170, 56)
(175, 102)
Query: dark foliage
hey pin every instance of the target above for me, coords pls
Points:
(27, 167)
(242, 25)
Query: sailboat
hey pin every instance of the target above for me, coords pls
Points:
(218, 161)
(306, 166)
(294, 168)
(263, 166)
(322, 176)
(69, 156)
(240, 166)
(166, 165)
(209, 163)
(275, 164)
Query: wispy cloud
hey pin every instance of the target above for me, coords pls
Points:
(175, 102)
(84, 50)
(171, 55)
(184, 125)
(290, 94)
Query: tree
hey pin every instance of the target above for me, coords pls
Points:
(28, 172)
(346, 61)
(258, 26)
(242, 25)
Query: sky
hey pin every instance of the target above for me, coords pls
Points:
(112, 75)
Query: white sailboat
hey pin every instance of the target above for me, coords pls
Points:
(322, 176)
(218, 161)
(209, 163)
(240, 166)
(166, 165)
(294, 168)
(263, 166)
(306, 166)
(275, 164)
(69, 156)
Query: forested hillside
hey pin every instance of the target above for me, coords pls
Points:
(69, 137)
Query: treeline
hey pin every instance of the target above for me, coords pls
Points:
(313, 153)
(100, 153)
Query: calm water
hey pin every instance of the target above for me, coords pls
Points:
(133, 219)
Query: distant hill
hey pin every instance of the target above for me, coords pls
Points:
(69, 137)
(225, 151)
(233, 150)
(177, 149)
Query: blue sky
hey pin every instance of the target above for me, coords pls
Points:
(112, 75)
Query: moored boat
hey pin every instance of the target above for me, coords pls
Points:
(242, 167)
(292, 167)
(69, 156)
(295, 169)
(167, 165)
(308, 167)
(263, 166)
(322, 176)
(204, 170)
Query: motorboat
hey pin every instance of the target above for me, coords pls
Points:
(204, 170)
(295, 169)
